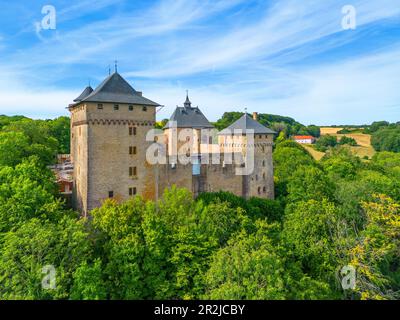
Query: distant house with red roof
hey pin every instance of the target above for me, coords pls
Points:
(304, 139)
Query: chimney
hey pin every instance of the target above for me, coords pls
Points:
(255, 116)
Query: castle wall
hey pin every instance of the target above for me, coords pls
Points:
(179, 175)
(79, 156)
(261, 182)
(212, 178)
(221, 178)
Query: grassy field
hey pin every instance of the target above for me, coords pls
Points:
(363, 149)
(330, 131)
(316, 154)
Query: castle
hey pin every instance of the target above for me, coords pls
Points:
(116, 153)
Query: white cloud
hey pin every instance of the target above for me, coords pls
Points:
(356, 91)
(286, 26)
(364, 90)
(119, 34)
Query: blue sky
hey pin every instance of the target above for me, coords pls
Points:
(286, 57)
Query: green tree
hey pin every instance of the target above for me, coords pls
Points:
(88, 282)
(120, 244)
(375, 126)
(27, 191)
(6, 120)
(311, 130)
(309, 182)
(31, 137)
(310, 232)
(340, 163)
(388, 162)
(36, 244)
(325, 142)
(248, 268)
(288, 156)
(347, 140)
(386, 139)
(59, 129)
(14, 148)
(377, 252)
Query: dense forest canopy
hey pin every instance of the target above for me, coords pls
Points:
(339, 211)
(21, 137)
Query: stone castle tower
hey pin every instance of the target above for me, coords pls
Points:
(108, 149)
(260, 180)
(108, 144)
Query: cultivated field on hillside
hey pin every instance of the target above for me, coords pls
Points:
(327, 130)
(317, 155)
(363, 149)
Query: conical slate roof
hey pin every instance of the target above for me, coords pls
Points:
(115, 89)
(188, 117)
(88, 90)
(246, 123)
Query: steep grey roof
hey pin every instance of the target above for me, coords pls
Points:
(116, 89)
(188, 117)
(88, 90)
(246, 123)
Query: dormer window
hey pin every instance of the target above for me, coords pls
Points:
(116, 107)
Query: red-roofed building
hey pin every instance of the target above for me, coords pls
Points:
(304, 139)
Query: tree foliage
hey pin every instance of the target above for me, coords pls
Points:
(386, 139)
(325, 142)
(22, 137)
(339, 211)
